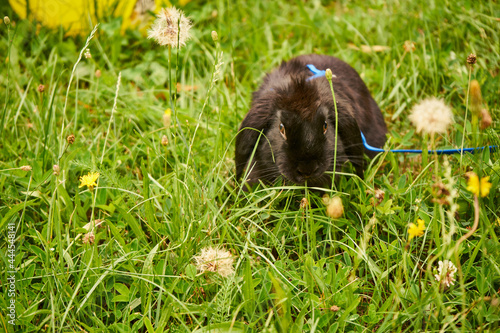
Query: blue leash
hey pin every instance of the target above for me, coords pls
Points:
(419, 151)
(319, 73)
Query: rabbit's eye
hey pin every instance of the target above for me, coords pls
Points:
(325, 127)
(282, 130)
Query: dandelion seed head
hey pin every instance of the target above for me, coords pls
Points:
(170, 28)
(215, 260)
(431, 116)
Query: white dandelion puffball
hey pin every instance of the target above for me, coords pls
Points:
(431, 116)
(215, 260)
(171, 27)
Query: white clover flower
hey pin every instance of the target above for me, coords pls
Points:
(431, 116)
(446, 273)
(171, 28)
(215, 260)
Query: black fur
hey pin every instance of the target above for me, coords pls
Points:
(303, 107)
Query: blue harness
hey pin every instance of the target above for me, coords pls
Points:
(319, 73)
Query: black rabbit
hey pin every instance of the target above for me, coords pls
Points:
(290, 128)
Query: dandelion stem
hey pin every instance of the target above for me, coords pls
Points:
(465, 120)
(174, 111)
(436, 167)
(329, 78)
(425, 152)
(177, 57)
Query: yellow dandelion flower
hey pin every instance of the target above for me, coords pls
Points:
(89, 180)
(416, 231)
(485, 186)
(478, 187)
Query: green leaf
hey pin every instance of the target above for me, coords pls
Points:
(122, 289)
(132, 222)
(148, 325)
(190, 271)
(15, 210)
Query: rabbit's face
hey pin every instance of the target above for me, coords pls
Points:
(303, 147)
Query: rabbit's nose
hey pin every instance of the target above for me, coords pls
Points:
(307, 169)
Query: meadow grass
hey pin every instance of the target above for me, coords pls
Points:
(156, 206)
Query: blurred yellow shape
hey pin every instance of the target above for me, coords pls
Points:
(369, 48)
(76, 15)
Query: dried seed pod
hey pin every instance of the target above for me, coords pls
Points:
(471, 59)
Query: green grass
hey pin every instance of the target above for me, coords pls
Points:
(295, 268)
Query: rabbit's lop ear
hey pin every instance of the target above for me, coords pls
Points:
(350, 135)
(250, 130)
